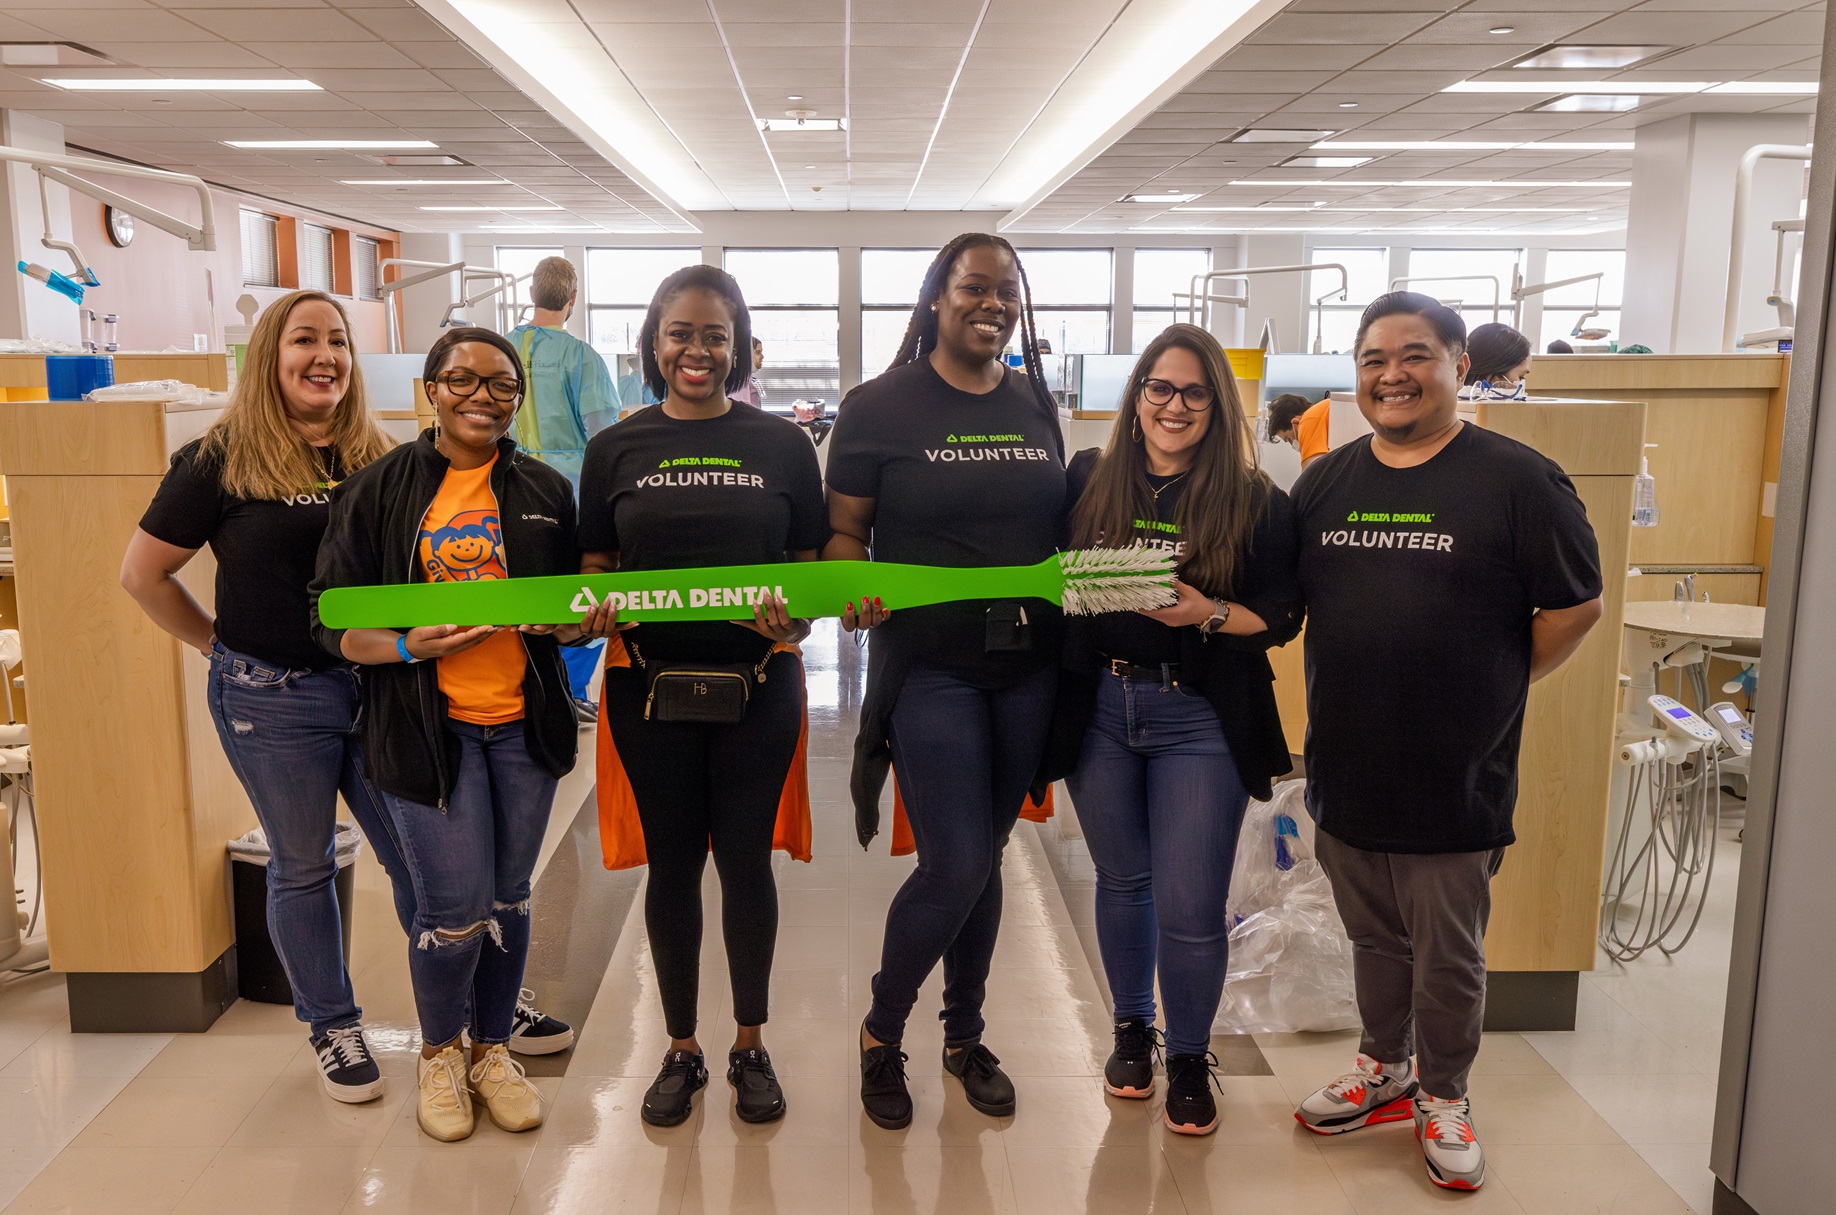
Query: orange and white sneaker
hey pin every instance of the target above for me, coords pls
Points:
(1455, 1159)
(1364, 1096)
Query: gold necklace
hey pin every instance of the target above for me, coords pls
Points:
(1177, 478)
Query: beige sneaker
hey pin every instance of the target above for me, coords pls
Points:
(498, 1080)
(445, 1109)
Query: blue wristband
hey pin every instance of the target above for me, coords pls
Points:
(401, 647)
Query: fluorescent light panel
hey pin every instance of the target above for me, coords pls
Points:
(1273, 135)
(1625, 87)
(1325, 162)
(1586, 58)
(1421, 210)
(328, 144)
(506, 209)
(1590, 103)
(427, 181)
(1450, 185)
(1160, 198)
(805, 124)
(111, 84)
(1464, 145)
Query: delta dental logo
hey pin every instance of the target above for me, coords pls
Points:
(1436, 542)
(706, 470)
(972, 448)
(663, 600)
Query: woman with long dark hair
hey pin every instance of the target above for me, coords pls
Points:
(745, 490)
(1500, 364)
(466, 749)
(1170, 717)
(950, 458)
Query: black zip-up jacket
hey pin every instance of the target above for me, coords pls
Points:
(376, 515)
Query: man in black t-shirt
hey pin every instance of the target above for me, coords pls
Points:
(1446, 568)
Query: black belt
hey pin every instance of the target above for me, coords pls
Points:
(1131, 670)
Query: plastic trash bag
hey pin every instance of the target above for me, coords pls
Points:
(1290, 960)
(347, 842)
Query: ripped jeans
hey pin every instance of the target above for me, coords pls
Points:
(471, 866)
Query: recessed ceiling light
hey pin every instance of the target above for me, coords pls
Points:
(803, 124)
(308, 144)
(1762, 88)
(1348, 105)
(425, 181)
(809, 166)
(113, 84)
(795, 97)
(1275, 135)
(1502, 29)
(1359, 184)
(1655, 87)
(1569, 58)
(1163, 199)
(507, 208)
(1465, 145)
(418, 160)
(1325, 162)
(1590, 103)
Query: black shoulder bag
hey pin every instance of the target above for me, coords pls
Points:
(709, 694)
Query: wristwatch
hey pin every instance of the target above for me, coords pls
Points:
(1219, 616)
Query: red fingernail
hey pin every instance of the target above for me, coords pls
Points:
(876, 601)
(850, 605)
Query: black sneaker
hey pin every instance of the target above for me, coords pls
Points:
(883, 1093)
(533, 1032)
(670, 1100)
(1130, 1070)
(346, 1065)
(984, 1083)
(1190, 1107)
(756, 1095)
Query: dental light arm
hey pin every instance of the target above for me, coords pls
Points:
(1200, 299)
(1497, 295)
(1737, 250)
(1520, 291)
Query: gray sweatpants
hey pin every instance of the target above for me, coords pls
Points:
(1417, 928)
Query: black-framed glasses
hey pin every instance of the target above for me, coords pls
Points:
(465, 384)
(1196, 396)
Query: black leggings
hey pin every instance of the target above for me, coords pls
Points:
(698, 785)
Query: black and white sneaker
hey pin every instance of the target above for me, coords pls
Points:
(1130, 1070)
(533, 1032)
(348, 1069)
(671, 1098)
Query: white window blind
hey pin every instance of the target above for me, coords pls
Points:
(260, 250)
(365, 254)
(315, 257)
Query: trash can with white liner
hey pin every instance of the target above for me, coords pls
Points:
(260, 975)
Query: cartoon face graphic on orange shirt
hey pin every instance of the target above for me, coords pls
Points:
(468, 548)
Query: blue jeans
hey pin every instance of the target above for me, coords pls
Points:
(964, 758)
(291, 738)
(470, 867)
(1161, 804)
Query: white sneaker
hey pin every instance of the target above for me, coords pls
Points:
(445, 1104)
(1449, 1145)
(499, 1081)
(1364, 1096)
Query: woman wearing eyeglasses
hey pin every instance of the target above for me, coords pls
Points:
(1168, 725)
(466, 730)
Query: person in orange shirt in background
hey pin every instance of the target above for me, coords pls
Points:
(1295, 421)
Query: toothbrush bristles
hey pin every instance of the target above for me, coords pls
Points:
(1101, 580)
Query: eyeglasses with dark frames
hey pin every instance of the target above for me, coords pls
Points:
(466, 384)
(1197, 397)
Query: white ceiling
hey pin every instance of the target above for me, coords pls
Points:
(936, 96)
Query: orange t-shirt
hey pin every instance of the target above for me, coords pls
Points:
(1311, 427)
(462, 540)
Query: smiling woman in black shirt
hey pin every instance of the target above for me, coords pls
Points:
(257, 489)
(692, 482)
(951, 458)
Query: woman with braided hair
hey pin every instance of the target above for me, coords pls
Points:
(950, 458)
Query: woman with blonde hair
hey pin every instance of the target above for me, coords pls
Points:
(257, 489)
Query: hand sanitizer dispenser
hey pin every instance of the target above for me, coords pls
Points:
(1644, 494)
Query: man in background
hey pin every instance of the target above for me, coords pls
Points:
(571, 398)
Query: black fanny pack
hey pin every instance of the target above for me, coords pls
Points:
(704, 693)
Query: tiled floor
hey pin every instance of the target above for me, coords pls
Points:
(1612, 1118)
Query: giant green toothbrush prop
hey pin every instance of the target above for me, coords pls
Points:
(1083, 582)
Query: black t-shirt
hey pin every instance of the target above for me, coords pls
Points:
(665, 493)
(1131, 636)
(266, 552)
(962, 480)
(1420, 586)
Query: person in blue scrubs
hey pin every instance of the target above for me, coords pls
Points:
(571, 399)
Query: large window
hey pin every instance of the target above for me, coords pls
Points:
(795, 299)
(1335, 322)
(366, 273)
(1567, 308)
(619, 284)
(260, 250)
(1446, 275)
(315, 258)
(890, 279)
(1158, 274)
(1072, 295)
